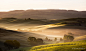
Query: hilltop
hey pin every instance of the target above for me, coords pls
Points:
(44, 14)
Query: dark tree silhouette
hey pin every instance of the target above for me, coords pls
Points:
(68, 38)
(55, 39)
(46, 38)
(29, 18)
(25, 19)
(12, 44)
(16, 43)
(61, 39)
(39, 41)
(9, 44)
(32, 41)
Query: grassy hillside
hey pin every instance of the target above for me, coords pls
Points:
(24, 25)
(80, 38)
(68, 46)
(21, 37)
(71, 21)
(21, 21)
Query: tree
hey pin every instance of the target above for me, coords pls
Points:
(46, 38)
(17, 44)
(25, 19)
(9, 44)
(61, 39)
(32, 41)
(49, 39)
(68, 38)
(39, 41)
(12, 44)
(55, 39)
(29, 18)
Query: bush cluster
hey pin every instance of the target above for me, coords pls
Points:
(12, 44)
(33, 41)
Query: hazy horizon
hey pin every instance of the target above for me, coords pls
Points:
(38, 9)
(8, 5)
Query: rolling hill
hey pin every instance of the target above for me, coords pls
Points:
(44, 14)
(53, 29)
(21, 37)
(68, 46)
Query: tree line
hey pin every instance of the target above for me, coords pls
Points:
(14, 44)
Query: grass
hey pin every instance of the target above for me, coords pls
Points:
(67, 46)
(22, 49)
(20, 21)
(71, 21)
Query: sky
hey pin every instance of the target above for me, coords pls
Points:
(7, 5)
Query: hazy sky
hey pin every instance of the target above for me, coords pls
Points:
(6, 5)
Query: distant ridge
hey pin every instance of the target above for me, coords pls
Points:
(44, 14)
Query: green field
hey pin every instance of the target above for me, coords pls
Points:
(67, 46)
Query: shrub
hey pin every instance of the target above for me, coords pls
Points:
(46, 38)
(12, 44)
(32, 41)
(40, 41)
(68, 38)
(49, 40)
(61, 39)
(9, 44)
(17, 44)
(55, 39)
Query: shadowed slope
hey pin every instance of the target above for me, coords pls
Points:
(42, 14)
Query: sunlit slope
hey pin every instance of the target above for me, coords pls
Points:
(43, 27)
(71, 21)
(80, 38)
(68, 46)
(57, 27)
(25, 24)
(25, 27)
(14, 24)
(77, 26)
